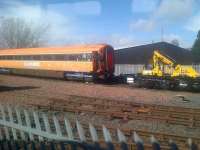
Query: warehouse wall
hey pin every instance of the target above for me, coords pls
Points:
(128, 68)
(134, 69)
(197, 67)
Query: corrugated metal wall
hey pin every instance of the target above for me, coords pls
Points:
(134, 69)
(128, 69)
(197, 68)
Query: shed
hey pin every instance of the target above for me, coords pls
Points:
(132, 59)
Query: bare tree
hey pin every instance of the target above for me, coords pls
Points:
(17, 33)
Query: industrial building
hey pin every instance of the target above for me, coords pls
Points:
(131, 60)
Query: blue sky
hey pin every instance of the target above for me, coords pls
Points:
(120, 23)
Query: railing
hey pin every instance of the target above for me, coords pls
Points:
(22, 128)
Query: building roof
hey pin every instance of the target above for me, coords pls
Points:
(143, 54)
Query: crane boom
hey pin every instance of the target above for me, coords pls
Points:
(157, 56)
(166, 73)
(164, 65)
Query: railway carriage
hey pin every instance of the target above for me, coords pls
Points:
(83, 62)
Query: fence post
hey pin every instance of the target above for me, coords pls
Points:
(155, 143)
(68, 128)
(12, 121)
(46, 123)
(108, 138)
(94, 136)
(19, 119)
(106, 134)
(122, 140)
(80, 131)
(28, 123)
(57, 126)
(4, 119)
(93, 133)
(138, 141)
(37, 123)
(192, 146)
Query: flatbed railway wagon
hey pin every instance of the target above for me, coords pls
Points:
(166, 73)
(83, 62)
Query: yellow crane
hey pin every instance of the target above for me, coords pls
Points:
(164, 65)
(166, 73)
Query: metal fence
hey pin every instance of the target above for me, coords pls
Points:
(134, 69)
(22, 128)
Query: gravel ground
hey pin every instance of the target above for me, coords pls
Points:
(19, 89)
(23, 90)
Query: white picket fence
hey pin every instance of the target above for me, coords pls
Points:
(20, 123)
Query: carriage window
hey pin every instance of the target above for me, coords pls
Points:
(3, 57)
(36, 57)
(26, 57)
(6, 57)
(17, 57)
(10, 57)
(69, 57)
(42, 57)
(53, 57)
(73, 57)
(47, 57)
(65, 57)
(30, 57)
(58, 57)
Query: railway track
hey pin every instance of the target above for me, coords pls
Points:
(125, 110)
